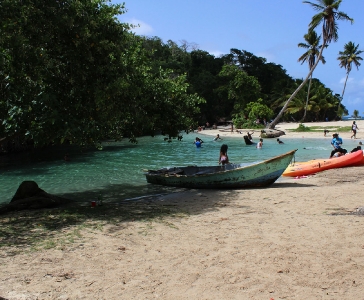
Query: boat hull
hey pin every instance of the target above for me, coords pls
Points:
(229, 176)
(315, 166)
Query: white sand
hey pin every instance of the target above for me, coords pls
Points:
(295, 240)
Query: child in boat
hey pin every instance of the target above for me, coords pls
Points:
(223, 159)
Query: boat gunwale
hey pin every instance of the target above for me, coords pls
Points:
(292, 152)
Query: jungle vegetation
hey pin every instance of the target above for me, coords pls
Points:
(71, 72)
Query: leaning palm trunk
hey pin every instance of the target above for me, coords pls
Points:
(308, 96)
(275, 121)
(342, 95)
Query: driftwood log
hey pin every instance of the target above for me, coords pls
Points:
(30, 196)
(271, 133)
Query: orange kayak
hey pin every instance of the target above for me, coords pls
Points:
(360, 163)
(319, 165)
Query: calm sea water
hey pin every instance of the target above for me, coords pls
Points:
(116, 172)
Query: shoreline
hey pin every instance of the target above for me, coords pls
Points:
(299, 238)
(332, 126)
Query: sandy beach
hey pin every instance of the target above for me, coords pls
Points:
(288, 127)
(298, 239)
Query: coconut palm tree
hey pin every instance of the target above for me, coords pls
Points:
(313, 46)
(356, 114)
(347, 57)
(328, 15)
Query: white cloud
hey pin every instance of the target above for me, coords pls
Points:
(216, 53)
(350, 79)
(141, 28)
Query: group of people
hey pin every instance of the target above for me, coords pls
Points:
(336, 143)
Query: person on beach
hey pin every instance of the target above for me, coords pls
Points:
(260, 144)
(279, 141)
(223, 159)
(325, 132)
(354, 128)
(336, 143)
(217, 137)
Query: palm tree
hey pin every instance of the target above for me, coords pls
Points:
(328, 15)
(310, 56)
(356, 114)
(347, 57)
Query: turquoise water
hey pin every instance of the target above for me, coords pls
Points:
(116, 172)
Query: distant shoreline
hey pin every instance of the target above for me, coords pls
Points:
(332, 126)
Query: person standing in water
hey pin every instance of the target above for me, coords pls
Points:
(260, 144)
(223, 159)
(217, 137)
(198, 142)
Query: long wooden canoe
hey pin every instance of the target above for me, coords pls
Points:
(259, 174)
(319, 165)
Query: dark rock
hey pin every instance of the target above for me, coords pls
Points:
(26, 189)
(30, 196)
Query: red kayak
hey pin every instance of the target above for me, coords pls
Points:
(319, 165)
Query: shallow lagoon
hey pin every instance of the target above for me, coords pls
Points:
(116, 172)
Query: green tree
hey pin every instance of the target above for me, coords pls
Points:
(72, 72)
(313, 46)
(254, 110)
(347, 57)
(328, 15)
(356, 114)
(258, 110)
(240, 88)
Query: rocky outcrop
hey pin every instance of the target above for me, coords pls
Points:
(30, 196)
(271, 133)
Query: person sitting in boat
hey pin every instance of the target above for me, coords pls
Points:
(223, 159)
(337, 154)
(357, 148)
(217, 137)
(279, 141)
(336, 142)
(198, 142)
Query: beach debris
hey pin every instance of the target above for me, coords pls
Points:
(300, 177)
(360, 210)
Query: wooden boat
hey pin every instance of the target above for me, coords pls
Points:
(260, 174)
(319, 165)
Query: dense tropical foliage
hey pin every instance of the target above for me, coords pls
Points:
(71, 72)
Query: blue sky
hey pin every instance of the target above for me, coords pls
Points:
(267, 28)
